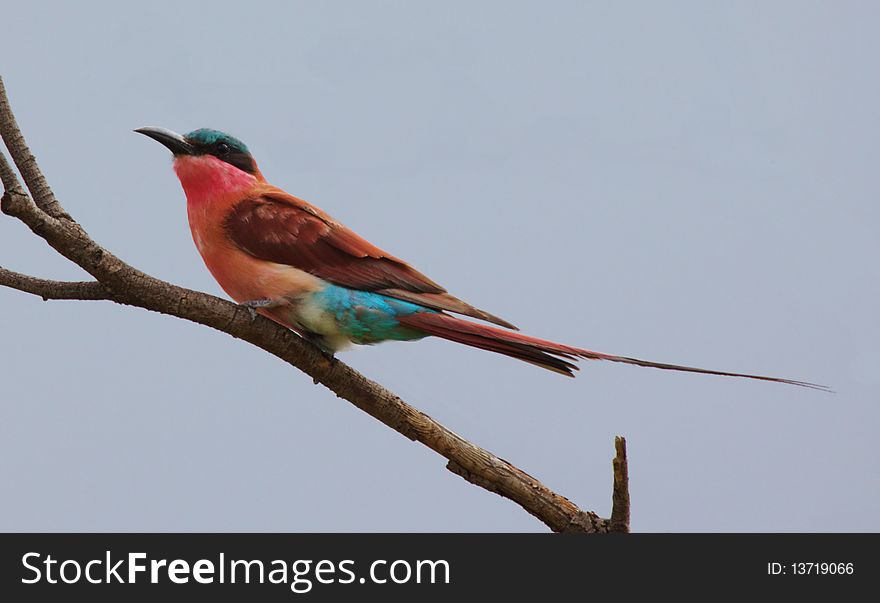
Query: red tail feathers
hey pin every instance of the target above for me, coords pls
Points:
(546, 354)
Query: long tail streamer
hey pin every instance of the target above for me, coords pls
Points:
(550, 355)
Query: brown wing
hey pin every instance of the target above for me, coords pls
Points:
(284, 229)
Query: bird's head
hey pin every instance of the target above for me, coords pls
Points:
(208, 160)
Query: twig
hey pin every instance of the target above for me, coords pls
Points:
(25, 160)
(86, 290)
(620, 495)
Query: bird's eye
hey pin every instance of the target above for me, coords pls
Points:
(223, 148)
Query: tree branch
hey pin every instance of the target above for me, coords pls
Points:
(25, 160)
(118, 281)
(84, 290)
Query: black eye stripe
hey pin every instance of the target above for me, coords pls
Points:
(243, 162)
(230, 153)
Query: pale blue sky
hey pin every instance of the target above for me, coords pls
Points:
(690, 182)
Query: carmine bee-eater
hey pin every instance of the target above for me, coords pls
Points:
(280, 256)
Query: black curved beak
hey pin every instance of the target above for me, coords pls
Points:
(176, 143)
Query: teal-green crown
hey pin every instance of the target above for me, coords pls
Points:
(207, 136)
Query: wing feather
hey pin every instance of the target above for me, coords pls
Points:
(284, 229)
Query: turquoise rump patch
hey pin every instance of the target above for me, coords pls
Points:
(366, 317)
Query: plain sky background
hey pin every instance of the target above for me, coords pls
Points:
(689, 182)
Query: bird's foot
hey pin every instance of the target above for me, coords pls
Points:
(252, 306)
(318, 342)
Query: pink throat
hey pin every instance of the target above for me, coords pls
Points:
(206, 178)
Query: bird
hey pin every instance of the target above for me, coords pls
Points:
(280, 256)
